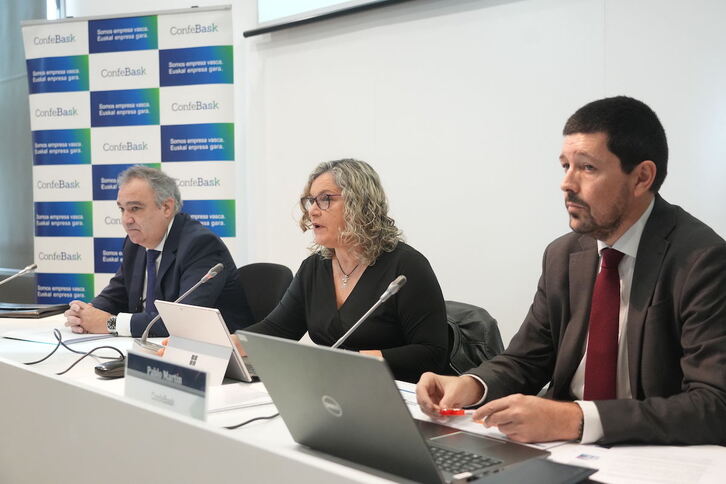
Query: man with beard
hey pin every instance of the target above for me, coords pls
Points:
(628, 324)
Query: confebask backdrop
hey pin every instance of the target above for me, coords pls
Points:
(108, 93)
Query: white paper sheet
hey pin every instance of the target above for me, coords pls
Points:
(234, 395)
(46, 336)
(464, 422)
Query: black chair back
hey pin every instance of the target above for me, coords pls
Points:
(264, 285)
(473, 336)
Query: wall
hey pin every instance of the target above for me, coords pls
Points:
(16, 165)
(459, 105)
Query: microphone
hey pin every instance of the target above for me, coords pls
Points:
(153, 347)
(392, 289)
(27, 269)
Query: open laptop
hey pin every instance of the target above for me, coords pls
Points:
(347, 404)
(200, 324)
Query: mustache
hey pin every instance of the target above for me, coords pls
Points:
(572, 198)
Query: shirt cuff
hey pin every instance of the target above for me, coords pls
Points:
(123, 324)
(591, 425)
(484, 385)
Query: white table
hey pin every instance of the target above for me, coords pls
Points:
(78, 427)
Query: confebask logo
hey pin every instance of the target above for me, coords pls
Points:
(194, 29)
(54, 39)
(61, 256)
(58, 184)
(125, 71)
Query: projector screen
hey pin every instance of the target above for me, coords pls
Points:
(275, 15)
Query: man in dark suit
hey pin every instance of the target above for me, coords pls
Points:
(628, 324)
(166, 253)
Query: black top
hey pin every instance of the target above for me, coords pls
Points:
(410, 328)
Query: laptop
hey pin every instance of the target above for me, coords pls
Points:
(348, 405)
(200, 324)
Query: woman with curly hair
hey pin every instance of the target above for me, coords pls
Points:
(357, 252)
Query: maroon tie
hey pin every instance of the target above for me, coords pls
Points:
(602, 343)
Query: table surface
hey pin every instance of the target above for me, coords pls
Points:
(704, 464)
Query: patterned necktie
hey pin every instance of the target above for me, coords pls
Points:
(151, 256)
(601, 364)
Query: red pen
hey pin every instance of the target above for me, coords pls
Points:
(455, 412)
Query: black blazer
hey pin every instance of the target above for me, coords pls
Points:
(676, 333)
(189, 252)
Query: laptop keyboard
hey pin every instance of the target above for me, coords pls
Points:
(457, 461)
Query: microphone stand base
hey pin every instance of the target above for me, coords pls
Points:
(142, 346)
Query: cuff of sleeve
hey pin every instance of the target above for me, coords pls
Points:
(123, 324)
(484, 385)
(592, 426)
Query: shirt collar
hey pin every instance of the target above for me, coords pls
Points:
(628, 242)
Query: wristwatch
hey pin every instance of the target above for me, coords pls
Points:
(111, 325)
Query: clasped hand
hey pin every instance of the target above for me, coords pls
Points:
(84, 318)
(522, 418)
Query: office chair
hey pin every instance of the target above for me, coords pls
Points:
(473, 336)
(264, 285)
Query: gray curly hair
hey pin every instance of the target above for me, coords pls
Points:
(368, 227)
(164, 186)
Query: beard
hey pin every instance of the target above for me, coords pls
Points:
(603, 226)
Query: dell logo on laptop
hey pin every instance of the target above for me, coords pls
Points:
(332, 406)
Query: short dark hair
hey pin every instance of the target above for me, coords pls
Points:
(633, 130)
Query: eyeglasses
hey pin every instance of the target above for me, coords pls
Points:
(323, 201)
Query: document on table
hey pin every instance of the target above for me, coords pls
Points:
(702, 464)
(45, 336)
(234, 395)
(408, 392)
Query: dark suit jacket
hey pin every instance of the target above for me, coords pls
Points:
(676, 333)
(189, 252)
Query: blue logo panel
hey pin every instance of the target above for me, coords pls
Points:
(62, 147)
(107, 254)
(58, 74)
(63, 219)
(197, 142)
(217, 215)
(63, 288)
(132, 107)
(105, 179)
(197, 65)
(120, 34)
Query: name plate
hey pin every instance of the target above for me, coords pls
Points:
(178, 388)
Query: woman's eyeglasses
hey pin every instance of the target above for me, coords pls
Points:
(323, 201)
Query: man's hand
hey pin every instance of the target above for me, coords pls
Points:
(235, 340)
(526, 418)
(435, 392)
(84, 318)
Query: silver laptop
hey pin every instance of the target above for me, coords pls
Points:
(347, 404)
(206, 325)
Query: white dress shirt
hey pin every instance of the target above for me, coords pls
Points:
(123, 320)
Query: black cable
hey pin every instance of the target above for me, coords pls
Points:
(89, 353)
(59, 337)
(251, 420)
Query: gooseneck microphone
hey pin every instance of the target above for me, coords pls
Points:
(27, 269)
(390, 291)
(148, 345)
